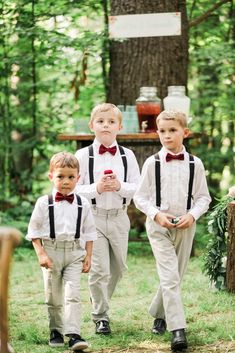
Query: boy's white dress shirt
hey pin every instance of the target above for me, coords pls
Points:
(174, 187)
(107, 200)
(65, 220)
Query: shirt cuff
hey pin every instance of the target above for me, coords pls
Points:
(94, 191)
(195, 214)
(153, 211)
(122, 189)
(91, 237)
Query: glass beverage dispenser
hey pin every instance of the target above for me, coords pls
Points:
(176, 99)
(148, 107)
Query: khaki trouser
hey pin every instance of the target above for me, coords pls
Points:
(62, 285)
(171, 248)
(108, 259)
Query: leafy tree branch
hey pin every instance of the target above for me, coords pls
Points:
(203, 17)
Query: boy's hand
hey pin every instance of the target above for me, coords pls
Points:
(45, 261)
(86, 264)
(101, 185)
(185, 221)
(112, 183)
(108, 182)
(164, 219)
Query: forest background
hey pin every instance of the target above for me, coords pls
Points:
(54, 64)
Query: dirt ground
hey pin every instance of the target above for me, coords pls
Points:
(219, 347)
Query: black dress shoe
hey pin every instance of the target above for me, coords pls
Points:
(179, 341)
(76, 342)
(102, 327)
(159, 327)
(56, 339)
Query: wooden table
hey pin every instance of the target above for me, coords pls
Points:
(142, 144)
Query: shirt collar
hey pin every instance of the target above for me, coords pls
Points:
(97, 144)
(54, 191)
(165, 151)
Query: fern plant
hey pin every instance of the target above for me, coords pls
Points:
(216, 256)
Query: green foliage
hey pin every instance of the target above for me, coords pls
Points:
(51, 75)
(215, 258)
(212, 90)
(17, 216)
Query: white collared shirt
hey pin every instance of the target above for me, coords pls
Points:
(65, 219)
(174, 187)
(107, 200)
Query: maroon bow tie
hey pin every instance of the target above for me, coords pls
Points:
(169, 157)
(104, 149)
(60, 197)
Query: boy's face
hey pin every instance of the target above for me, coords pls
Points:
(106, 126)
(64, 179)
(172, 134)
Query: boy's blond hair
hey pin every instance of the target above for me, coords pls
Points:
(175, 115)
(62, 160)
(106, 107)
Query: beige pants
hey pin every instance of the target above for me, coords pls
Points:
(171, 249)
(62, 285)
(108, 259)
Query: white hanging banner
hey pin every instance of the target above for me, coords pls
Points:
(145, 25)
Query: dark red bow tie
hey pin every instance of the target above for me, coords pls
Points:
(104, 149)
(60, 197)
(170, 157)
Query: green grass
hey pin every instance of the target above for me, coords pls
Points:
(210, 314)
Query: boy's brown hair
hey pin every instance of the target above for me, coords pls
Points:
(62, 160)
(106, 107)
(175, 115)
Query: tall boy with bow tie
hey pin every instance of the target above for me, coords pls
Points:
(173, 194)
(109, 177)
(62, 231)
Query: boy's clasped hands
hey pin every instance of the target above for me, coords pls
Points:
(169, 221)
(108, 182)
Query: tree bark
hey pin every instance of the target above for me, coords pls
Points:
(230, 269)
(148, 61)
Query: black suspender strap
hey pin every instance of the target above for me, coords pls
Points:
(124, 161)
(52, 220)
(91, 169)
(158, 179)
(191, 177)
(51, 216)
(78, 227)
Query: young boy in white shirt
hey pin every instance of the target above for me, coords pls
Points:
(109, 177)
(173, 194)
(62, 231)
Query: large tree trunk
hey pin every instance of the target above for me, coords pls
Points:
(155, 61)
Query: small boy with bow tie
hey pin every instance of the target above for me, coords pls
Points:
(173, 194)
(62, 231)
(109, 177)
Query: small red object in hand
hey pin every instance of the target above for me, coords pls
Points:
(108, 171)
